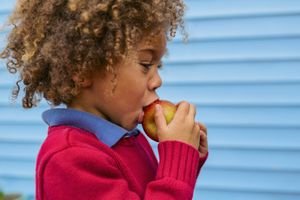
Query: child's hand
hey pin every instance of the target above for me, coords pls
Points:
(183, 126)
(203, 146)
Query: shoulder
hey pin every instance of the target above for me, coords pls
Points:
(71, 158)
(67, 142)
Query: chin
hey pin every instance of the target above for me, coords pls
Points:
(129, 123)
(129, 126)
(134, 125)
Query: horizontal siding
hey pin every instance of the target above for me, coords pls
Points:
(245, 138)
(23, 132)
(242, 70)
(261, 49)
(252, 180)
(7, 6)
(239, 8)
(235, 93)
(250, 27)
(232, 72)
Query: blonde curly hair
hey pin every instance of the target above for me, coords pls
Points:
(53, 40)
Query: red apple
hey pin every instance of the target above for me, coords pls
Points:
(148, 122)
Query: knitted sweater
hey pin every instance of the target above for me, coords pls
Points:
(74, 164)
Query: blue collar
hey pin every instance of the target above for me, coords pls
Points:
(104, 130)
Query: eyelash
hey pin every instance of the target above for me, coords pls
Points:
(148, 66)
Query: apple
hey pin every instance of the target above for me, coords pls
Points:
(148, 122)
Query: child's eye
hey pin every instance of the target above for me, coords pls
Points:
(147, 66)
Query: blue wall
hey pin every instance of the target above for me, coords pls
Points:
(242, 70)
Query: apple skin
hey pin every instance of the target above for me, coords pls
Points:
(148, 122)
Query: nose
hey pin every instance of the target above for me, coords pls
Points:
(155, 81)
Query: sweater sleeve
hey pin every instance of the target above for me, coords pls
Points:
(177, 172)
(71, 174)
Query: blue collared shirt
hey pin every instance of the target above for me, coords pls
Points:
(105, 131)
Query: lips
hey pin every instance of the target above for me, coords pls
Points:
(147, 106)
(141, 114)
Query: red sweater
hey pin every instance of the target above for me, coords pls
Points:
(74, 164)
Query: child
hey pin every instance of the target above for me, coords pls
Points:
(100, 58)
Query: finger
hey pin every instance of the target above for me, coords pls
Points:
(182, 111)
(202, 151)
(203, 146)
(203, 135)
(203, 139)
(159, 118)
(192, 112)
(203, 127)
(196, 129)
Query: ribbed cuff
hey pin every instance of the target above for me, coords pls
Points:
(203, 160)
(178, 160)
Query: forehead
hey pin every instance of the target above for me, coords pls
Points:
(153, 44)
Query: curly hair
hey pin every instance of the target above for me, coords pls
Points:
(53, 40)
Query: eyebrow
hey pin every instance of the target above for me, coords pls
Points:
(148, 49)
(153, 51)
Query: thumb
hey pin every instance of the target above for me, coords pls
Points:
(159, 118)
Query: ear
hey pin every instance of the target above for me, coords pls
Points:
(84, 82)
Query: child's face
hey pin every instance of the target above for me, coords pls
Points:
(136, 84)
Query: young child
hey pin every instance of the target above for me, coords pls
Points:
(100, 59)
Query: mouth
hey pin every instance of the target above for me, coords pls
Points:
(141, 114)
(145, 107)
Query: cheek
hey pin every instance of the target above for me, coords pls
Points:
(133, 97)
(139, 90)
(135, 94)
